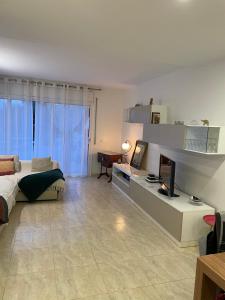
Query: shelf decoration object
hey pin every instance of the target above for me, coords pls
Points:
(138, 154)
(155, 118)
(202, 139)
(205, 122)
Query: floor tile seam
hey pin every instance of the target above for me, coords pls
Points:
(43, 269)
(19, 249)
(150, 256)
(187, 276)
(30, 249)
(25, 274)
(55, 275)
(123, 250)
(50, 254)
(28, 273)
(91, 255)
(109, 293)
(4, 290)
(95, 260)
(173, 281)
(10, 254)
(100, 272)
(137, 237)
(170, 254)
(45, 236)
(124, 289)
(142, 257)
(12, 247)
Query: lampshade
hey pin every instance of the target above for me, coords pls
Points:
(126, 146)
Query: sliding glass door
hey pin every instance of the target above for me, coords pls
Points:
(16, 128)
(38, 129)
(61, 131)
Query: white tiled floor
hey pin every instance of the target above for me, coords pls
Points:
(92, 245)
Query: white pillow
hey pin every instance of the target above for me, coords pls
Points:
(17, 163)
(41, 164)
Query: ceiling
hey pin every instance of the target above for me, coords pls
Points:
(108, 42)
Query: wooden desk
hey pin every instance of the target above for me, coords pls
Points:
(210, 275)
(107, 158)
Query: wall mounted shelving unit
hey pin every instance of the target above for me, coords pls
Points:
(205, 140)
(143, 113)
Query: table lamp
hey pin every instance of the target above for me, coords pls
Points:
(126, 147)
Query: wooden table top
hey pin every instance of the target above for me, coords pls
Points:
(214, 266)
(109, 153)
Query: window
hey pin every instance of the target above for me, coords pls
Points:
(46, 129)
(16, 128)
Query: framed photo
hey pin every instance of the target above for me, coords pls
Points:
(138, 154)
(155, 117)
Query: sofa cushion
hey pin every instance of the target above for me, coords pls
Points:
(41, 164)
(17, 162)
(7, 166)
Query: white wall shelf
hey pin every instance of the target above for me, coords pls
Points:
(204, 140)
(143, 113)
(204, 153)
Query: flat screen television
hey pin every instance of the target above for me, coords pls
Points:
(167, 176)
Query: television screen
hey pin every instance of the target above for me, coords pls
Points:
(167, 173)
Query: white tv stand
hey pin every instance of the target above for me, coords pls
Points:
(180, 219)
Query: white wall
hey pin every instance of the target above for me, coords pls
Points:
(191, 94)
(111, 104)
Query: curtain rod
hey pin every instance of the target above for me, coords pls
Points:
(49, 82)
(94, 89)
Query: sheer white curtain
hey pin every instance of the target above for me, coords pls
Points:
(61, 131)
(61, 121)
(43, 91)
(16, 134)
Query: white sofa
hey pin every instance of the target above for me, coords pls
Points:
(52, 193)
(10, 191)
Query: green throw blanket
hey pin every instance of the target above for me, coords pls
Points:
(34, 185)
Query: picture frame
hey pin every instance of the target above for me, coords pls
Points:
(155, 118)
(138, 154)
